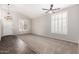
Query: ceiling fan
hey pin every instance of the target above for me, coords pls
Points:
(51, 9)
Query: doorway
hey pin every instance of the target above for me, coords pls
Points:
(7, 27)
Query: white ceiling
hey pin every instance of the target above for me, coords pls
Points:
(33, 10)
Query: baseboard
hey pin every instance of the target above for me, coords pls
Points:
(54, 38)
(25, 34)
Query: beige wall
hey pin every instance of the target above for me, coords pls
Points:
(41, 26)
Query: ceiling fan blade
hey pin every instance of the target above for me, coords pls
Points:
(47, 11)
(44, 9)
(56, 9)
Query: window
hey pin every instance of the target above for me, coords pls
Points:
(22, 25)
(59, 23)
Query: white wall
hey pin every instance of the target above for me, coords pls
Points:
(8, 29)
(42, 25)
(27, 21)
